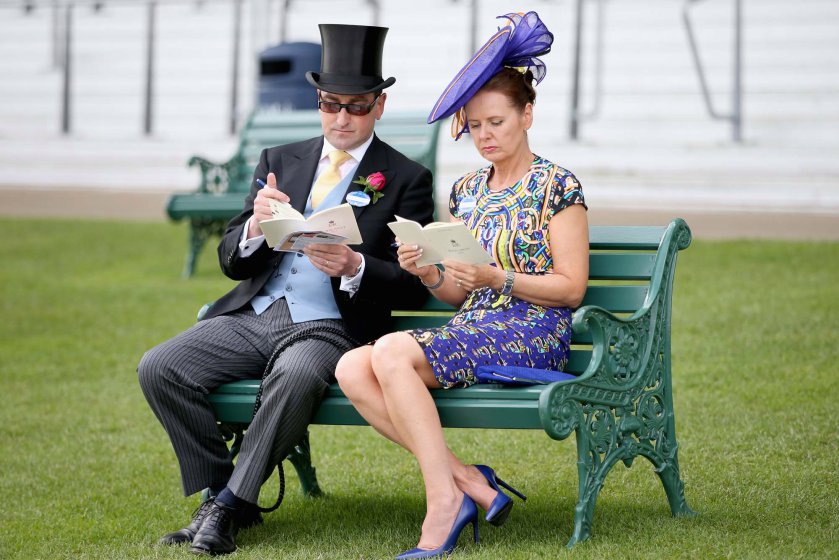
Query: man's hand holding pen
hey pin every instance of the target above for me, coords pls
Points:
(261, 206)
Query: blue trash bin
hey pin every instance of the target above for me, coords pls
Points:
(282, 76)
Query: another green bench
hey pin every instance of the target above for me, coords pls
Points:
(620, 406)
(224, 186)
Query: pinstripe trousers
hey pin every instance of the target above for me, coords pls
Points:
(177, 375)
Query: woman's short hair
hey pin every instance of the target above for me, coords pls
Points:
(516, 85)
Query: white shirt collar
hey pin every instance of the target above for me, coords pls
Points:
(356, 153)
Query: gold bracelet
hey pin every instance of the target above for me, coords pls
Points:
(436, 284)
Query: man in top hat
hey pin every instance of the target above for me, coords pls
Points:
(292, 315)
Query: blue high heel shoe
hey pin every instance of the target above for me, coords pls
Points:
(500, 507)
(468, 514)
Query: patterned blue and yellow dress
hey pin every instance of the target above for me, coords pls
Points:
(490, 328)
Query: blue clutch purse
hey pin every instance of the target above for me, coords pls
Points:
(514, 375)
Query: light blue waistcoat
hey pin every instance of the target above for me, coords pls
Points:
(307, 290)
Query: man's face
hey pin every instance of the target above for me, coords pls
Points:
(345, 131)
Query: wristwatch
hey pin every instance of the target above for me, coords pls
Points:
(507, 287)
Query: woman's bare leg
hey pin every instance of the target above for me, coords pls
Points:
(358, 382)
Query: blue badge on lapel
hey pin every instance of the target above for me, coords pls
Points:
(358, 198)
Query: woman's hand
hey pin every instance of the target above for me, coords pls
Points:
(408, 256)
(471, 277)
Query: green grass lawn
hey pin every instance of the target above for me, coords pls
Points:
(86, 471)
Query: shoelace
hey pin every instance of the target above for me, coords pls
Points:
(202, 510)
(217, 517)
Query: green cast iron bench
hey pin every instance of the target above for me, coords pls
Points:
(619, 407)
(224, 186)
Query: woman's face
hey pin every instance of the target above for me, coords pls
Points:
(497, 127)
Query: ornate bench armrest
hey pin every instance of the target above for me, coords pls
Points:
(621, 351)
(216, 178)
(629, 371)
(619, 345)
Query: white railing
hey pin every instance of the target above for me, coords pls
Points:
(63, 49)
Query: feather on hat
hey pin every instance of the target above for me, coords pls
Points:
(517, 44)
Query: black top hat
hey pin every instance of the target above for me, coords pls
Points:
(351, 60)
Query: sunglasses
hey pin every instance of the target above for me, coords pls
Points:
(333, 107)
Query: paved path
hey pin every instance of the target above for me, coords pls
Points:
(651, 153)
(705, 224)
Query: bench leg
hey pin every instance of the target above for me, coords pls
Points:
(301, 458)
(667, 469)
(608, 442)
(584, 511)
(675, 489)
(197, 238)
(200, 230)
(591, 472)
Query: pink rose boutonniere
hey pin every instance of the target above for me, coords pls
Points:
(373, 185)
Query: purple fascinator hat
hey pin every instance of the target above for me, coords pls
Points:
(517, 45)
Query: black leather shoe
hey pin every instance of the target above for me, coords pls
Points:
(186, 534)
(217, 534)
(247, 517)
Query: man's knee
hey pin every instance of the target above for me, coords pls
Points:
(149, 370)
(156, 367)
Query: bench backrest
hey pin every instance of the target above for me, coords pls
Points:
(407, 132)
(627, 265)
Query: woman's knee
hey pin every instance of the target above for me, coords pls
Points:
(353, 368)
(392, 353)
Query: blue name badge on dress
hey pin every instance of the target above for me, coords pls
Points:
(467, 204)
(358, 198)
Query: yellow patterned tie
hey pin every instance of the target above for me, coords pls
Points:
(330, 177)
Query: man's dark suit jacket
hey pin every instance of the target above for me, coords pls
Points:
(384, 285)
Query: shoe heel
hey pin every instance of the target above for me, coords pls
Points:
(475, 530)
(511, 489)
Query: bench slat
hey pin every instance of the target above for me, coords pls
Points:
(617, 299)
(581, 339)
(454, 413)
(212, 206)
(472, 407)
(625, 237)
(426, 322)
(578, 361)
(628, 266)
(508, 414)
